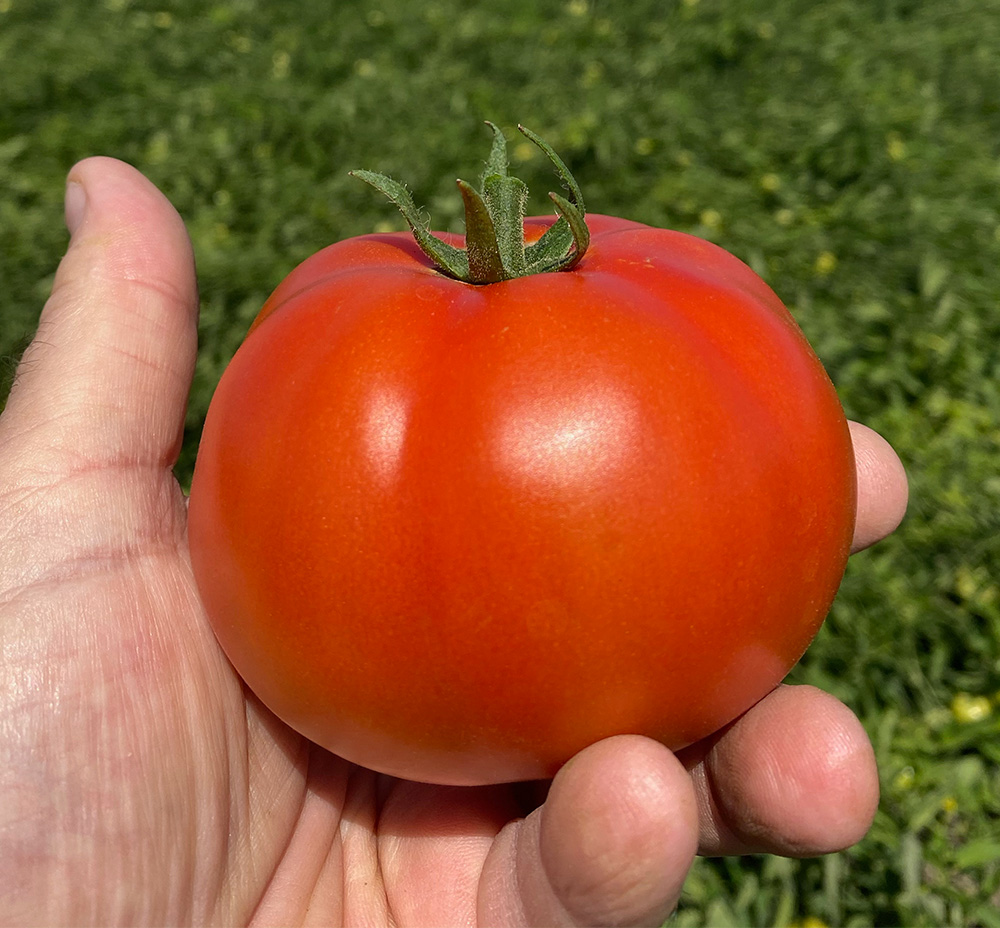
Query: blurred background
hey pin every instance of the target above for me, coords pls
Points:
(847, 150)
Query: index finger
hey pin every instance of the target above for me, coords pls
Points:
(882, 487)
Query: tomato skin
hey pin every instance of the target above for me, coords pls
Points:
(456, 533)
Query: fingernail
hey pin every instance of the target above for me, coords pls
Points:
(76, 205)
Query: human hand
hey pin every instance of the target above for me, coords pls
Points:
(141, 783)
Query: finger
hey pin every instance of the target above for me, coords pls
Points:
(108, 372)
(882, 487)
(611, 845)
(431, 846)
(794, 776)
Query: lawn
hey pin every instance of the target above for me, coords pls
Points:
(847, 150)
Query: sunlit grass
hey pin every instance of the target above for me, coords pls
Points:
(846, 150)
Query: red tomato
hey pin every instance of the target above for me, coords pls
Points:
(456, 533)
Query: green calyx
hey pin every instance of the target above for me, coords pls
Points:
(495, 249)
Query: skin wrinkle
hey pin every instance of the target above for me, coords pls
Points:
(149, 364)
(625, 887)
(507, 886)
(153, 368)
(749, 835)
(48, 432)
(160, 601)
(516, 888)
(420, 826)
(269, 880)
(624, 884)
(98, 264)
(118, 447)
(320, 813)
(295, 876)
(366, 902)
(83, 569)
(69, 464)
(16, 512)
(75, 362)
(213, 809)
(210, 838)
(148, 490)
(510, 843)
(88, 838)
(208, 807)
(268, 824)
(477, 907)
(530, 874)
(234, 846)
(716, 836)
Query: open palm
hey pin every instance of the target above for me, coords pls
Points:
(141, 783)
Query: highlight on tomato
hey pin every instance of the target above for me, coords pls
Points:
(465, 505)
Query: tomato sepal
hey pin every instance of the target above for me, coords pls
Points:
(494, 221)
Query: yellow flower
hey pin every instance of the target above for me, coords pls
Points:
(895, 146)
(158, 148)
(905, 779)
(968, 709)
(711, 218)
(810, 921)
(770, 183)
(826, 262)
(966, 582)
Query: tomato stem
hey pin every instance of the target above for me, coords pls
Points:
(495, 249)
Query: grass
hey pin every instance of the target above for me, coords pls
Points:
(847, 150)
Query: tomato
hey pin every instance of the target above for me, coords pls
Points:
(456, 532)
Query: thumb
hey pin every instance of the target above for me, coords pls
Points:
(611, 845)
(106, 378)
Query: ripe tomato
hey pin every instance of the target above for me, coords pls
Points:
(456, 532)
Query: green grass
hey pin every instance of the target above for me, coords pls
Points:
(846, 149)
